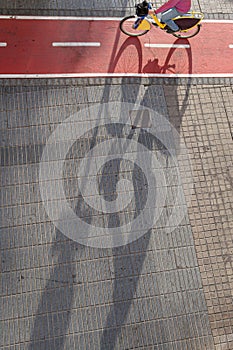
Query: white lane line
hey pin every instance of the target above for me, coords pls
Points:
(165, 46)
(217, 21)
(231, 46)
(72, 18)
(3, 44)
(117, 75)
(74, 44)
(62, 18)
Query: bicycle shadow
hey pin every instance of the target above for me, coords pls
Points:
(48, 332)
(54, 309)
(136, 59)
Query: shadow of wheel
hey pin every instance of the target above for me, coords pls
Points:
(127, 63)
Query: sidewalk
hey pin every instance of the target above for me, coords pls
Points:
(166, 289)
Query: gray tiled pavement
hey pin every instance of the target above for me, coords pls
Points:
(63, 290)
(162, 291)
(60, 284)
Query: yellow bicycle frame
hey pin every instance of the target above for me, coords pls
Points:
(146, 24)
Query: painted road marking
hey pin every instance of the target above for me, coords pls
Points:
(75, 44)
(62, 18)
(3, 44)
(115, 75)
(72, 18)
(168, 46)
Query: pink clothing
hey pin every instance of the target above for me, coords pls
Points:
(181, 6)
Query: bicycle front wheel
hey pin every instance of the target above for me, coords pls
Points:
(128, 27)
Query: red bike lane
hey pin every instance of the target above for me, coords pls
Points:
(52, 47)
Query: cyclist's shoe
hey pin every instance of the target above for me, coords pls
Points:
(170, 31)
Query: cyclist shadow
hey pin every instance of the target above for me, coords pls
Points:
(153, 66)
(128, 261)
(126, 283)
(128, 266)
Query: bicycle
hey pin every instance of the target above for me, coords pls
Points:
(141, 23)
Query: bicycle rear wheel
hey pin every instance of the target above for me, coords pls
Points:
(189, 33)
(128, 27)
(189, 27)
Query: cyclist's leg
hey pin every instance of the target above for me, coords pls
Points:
(167, 18)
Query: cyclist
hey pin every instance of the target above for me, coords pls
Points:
(171, 9)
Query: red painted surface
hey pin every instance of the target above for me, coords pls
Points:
(29, 49)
